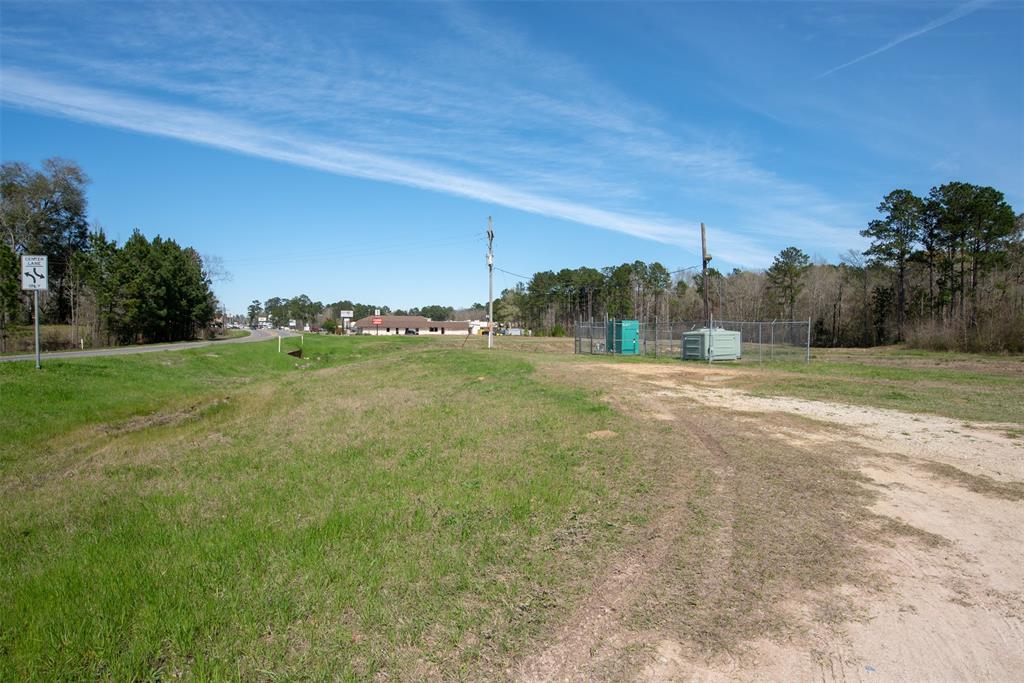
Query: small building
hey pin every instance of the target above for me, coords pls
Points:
(623, 337)
(712, 344)
(415, 324)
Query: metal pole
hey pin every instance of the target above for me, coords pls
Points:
(490, 284)
(704, 273)
(711, 337)
(655, 336)
(808, 357)
(760, 346)
(772, 349)
(35, 299)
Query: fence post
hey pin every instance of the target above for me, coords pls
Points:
(808, 358)
(771, 349)
(711, 337)
(655, 336)
(760, 346)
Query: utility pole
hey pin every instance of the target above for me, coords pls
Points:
(705, 258)
(490, 283)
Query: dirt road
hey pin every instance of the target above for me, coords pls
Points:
(925, 576)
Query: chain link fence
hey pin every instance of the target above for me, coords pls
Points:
(762, 341)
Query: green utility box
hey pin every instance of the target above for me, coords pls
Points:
(712, 344)
(624, 337)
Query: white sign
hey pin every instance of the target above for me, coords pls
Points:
(376, 311)
(34, 273)
(346, 314)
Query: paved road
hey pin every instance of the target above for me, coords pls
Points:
(257, 335)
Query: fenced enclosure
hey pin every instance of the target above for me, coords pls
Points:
(761, 341)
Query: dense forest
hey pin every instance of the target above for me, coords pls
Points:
(141, 291)
(945, 271)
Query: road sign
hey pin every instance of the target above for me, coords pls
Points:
(378, 321)
(35, 277)
(346, 314)
(376, 311)
(34, 273)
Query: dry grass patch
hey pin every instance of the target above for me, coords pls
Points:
(978, 483)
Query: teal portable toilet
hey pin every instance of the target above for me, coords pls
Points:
(624, 337)
(716, 343)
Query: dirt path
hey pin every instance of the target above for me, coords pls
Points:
(949, 605)
(978, 448)
(595, 642)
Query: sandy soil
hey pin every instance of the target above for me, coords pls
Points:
(977, 448)
(951, 609)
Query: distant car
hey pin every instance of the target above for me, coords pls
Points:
(409, 330)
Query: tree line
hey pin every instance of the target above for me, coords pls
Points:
(944, 271)
(304, 311)
(141, 291)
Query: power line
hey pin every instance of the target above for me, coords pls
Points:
(509, 272)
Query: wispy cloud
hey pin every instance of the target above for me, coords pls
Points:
(957, 13)
(95, 106)
(516, 126)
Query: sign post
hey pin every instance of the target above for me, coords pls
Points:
(35, 277)
(346, 320)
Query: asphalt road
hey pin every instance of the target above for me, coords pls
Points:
(255, 336)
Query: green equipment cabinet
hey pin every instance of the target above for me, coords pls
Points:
(712, 344)
(624, 337)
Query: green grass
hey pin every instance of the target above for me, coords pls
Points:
(404, 508)
(379, 507)
(37, 404)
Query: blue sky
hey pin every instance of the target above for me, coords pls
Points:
(350, 150)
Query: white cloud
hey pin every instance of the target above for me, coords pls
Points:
(512, 125)
(95, 106)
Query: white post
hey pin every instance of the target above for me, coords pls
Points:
(35, 298)
(302, 340)
(279, 343)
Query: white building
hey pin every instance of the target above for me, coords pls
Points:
(398, 324)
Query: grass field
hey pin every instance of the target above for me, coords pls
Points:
(374, 506)
(952, 385)
(414, 508)
(957, 385)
